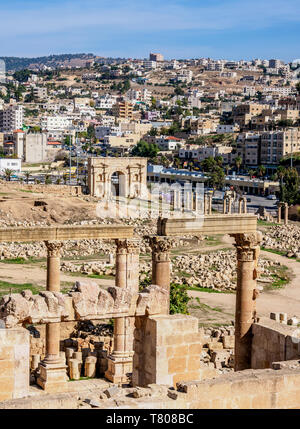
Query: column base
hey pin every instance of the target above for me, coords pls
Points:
(119, 369)
(53, 377)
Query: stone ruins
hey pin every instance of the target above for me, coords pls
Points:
(154, 358)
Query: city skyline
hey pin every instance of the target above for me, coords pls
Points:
(177, 29)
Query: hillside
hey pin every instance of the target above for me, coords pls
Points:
(18, 63)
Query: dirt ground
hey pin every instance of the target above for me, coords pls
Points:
(210, 308)
(219, 308)
(18, 205)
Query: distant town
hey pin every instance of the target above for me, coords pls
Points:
(220, 119)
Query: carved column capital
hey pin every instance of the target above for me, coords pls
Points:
(247, 245)
(160, 248)
(125, 246)
(54, 248)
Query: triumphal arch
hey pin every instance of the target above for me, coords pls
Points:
(120, 177)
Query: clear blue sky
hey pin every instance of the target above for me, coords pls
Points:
(229, 29)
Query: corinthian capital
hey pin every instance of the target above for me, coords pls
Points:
(160, 244)
(53, 248)
(247, 245)
(126, 245)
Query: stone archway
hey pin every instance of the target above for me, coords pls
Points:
(128, 174)
(118, 184)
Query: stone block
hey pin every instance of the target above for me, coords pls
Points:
(228, 341)
(177, 365)
(275, 316)
(195, 349)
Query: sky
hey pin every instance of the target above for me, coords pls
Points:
(228, 29)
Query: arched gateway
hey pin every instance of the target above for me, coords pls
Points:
(124, 177)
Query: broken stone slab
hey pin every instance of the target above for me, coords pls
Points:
(112, 391)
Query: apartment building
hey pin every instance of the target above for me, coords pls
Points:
(150, 65)
(156, 57)
(40, 93)
(248, 148)
(227, 129)
(11, 118)
(196, 153)
(276, 144)
(58, 123)
(106, 102)
(123, 109)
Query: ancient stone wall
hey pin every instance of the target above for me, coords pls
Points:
(248, 389)
(271, 342)
(167, 350)
(47, 189)
(14, 367)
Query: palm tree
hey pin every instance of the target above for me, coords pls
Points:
(27, 175)
(227, 168)
(238, 163)
(8, 173)
(251, 173)
(261, 170)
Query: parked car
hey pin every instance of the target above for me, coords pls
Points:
(271, 197)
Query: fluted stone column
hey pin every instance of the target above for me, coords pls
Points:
(247, 246)
(53, 375)
(127, 276)
(161, 262)
(286, 213)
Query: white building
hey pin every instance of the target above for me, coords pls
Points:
(150, 65)
(58, 122)
(106, 102)
(226, 129)
(11, 118)
(11, 164)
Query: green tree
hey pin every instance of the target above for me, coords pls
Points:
(298, 87)
(27, 175)
(8, 173)
(208, 164)
(144, 149)
(153, 132)
(289, 187)
(238, 163)
(216, 178)
(261, 171)
(179, 299)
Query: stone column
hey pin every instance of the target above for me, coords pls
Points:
(161, 263)
(229, 205)
(286, 213)
(247, 246)
(245, 205)
(240, 205)
(119, 367)
(209, 197)
(53, 376)
(224, 205)
(279, 213)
